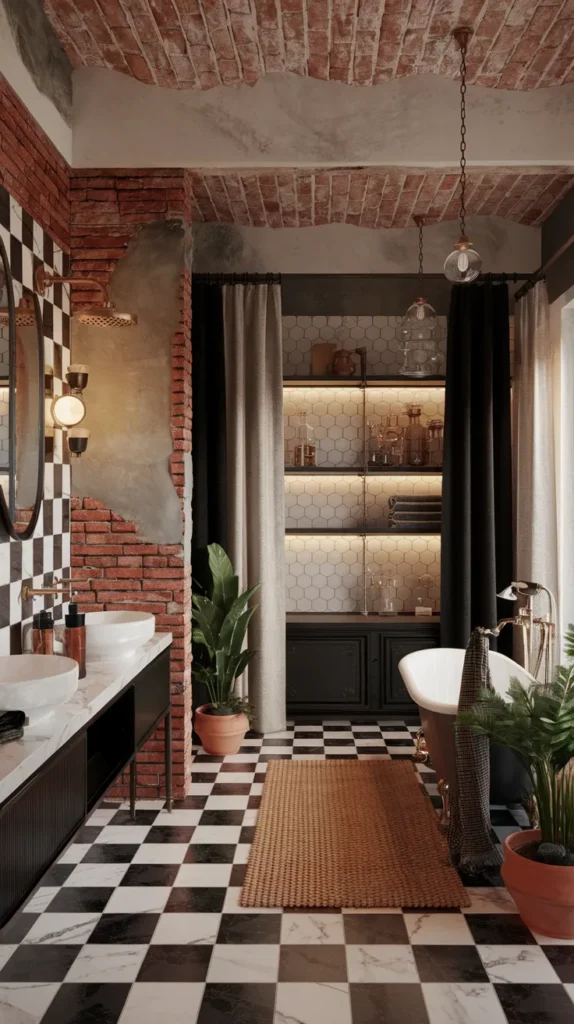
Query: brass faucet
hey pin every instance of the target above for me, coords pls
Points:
(64, 587)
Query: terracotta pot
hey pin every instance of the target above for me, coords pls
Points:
(543, 893)
(220, 734)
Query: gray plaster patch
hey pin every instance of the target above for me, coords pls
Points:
(41, 52)
(129, 392)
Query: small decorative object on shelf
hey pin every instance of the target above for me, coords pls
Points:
(305, 451)
(420, 602)
(388, 601)
(415, 442)
(322, 358)
(435, 442)
(343, 364)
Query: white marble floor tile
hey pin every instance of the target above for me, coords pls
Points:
(106, 964)
(234, 777)
(375, 757)
(386, 964)
(25, 1003)
(231, 904)
(160, 853)
(6, 952)
(464, 1003)
(256, 789)
(570, 991)
(41, 900)
(307, 757)
(374, 742)
(275, 750)
(204, 766)
(547, 940)
(303, 1003)
(100, 875)
(402, 750)
(371, 910)
(200, 788)
(186, 929)
(339, 750)
(138, 899)
(485, 900)
(312, 929)
(283, 734)
(74, 854)
(435, 929)
(144, 805)
(517, 965)
(245, 963)
(177, 818)
(201, 875)
(147, 1003)
(103, 815)
(240, 759)
(242, 853)
(123, 834)
(250, 816)
(62, 929)
(205, 835)
(227, 803)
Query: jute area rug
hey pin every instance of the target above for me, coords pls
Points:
(348, 834)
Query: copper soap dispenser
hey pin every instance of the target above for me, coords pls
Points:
(75, 637)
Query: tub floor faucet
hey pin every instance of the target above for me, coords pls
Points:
(537, 632)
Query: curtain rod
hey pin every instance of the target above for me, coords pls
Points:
(238, 278)
(540, 274)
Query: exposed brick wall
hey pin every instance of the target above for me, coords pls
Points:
(186, 44)
(129, 572)
(32, 169)
(375, 198)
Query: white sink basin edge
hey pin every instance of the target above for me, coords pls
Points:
(36, 683)
(113, 636)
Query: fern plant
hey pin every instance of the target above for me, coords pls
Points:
(538, 723)
(220, 620)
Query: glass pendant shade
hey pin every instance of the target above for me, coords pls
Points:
(420, 334)
(463, 265)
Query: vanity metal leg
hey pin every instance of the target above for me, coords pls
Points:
(133, 788)
(168, 767)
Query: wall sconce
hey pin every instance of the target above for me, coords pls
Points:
(68, 410)
(78, 438)
(77, 377)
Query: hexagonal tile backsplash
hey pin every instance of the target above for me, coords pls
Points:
(336, 416)
(336, 502)
(379, 335)
(329, 574)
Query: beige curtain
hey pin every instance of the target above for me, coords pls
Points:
(253, 367)
(536, 403)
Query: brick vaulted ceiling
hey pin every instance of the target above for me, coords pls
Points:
(199, 44)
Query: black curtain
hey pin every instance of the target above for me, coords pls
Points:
(209, 502)
(477, 536)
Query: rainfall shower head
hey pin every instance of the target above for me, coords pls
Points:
(24, 314)
(103, 315)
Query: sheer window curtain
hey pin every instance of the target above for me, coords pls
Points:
(256, 516)
(536, 438)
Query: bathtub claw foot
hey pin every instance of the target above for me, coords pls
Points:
(443, 790)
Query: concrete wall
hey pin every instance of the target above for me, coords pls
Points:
(127, 465)
(285, 120)
(345, 249)
(558, 231)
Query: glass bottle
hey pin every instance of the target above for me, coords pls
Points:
(392, 446)
(420, 602)
(435, 442)
(388, 601)
(415, 441)
(305, 450)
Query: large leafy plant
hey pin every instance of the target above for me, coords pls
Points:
(221, 618)
(538, 723)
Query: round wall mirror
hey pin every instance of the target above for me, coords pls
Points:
(21, 405)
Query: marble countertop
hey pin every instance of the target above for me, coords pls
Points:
(21, 758)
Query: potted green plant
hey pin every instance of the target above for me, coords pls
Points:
(221, 618)
(538, 723)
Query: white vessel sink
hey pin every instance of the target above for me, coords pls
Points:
(113, 635)
(36, 683)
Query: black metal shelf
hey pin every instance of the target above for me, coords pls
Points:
(360, 471)
(358, 532)
(371, 381)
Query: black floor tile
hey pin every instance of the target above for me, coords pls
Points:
(89, 900)
(150, 874)
(247, 834)
(87, 1004)
(231, 789)
(222, 818)
(237, 1004)
(399, 742)
(110, 853)
(134, 929)
(190, 803)
(17, 928)
(57, 874)
(208, 759)
(175, 963)
(372, 750)
(239, 767)
(300, 750)
(562, 960)
(375, 929)
(388, 1004)
(143, 817)
(202, 900)
(88, 834)
(237, 877)
(269, 741)
(312, 963)
(39, 962)
(251, 928)
(254, 803)
(342, 757)
(495, 929)
(217, 853)
(449, 964)
(170, 834)
(266, 758)
(482, 879)
(338, 743)
(535, 1004)
(501, 816)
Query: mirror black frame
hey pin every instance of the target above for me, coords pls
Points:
(7, 508)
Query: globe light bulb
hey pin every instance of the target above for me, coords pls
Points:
(463, 264)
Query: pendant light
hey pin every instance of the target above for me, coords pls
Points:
(420, 331)
(464, 264)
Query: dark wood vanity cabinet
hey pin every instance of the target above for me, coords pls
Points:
(348, 665)
(39, 819)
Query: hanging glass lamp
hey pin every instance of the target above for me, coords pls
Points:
(463, 264)
(420, 331)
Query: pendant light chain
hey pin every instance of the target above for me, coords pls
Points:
(463, 45)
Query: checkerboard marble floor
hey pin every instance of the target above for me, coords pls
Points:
(140, 923)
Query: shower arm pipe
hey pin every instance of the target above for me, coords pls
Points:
(45, 280)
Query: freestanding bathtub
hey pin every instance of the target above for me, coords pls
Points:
(432, 678)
